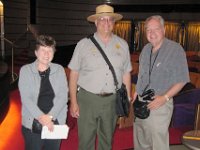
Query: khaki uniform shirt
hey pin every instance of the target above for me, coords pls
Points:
(94, 73)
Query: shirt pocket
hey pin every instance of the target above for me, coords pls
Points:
(161, 75)
(93, 61)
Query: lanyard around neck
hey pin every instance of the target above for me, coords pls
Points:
(151, 66)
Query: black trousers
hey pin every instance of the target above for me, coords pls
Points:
(33, 141)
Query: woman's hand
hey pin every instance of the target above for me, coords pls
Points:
(50, 126)
(45, 119)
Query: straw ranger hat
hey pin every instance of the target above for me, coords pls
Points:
(104, 10)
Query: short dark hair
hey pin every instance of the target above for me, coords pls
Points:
(45, 40)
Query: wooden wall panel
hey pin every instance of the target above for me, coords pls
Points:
(66, 19)
(62, 19)
(15, 23)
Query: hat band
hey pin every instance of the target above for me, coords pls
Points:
(104, 12)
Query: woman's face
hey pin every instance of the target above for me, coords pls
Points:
(44, 55)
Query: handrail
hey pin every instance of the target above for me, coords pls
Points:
(12, 57)
(20, 37)
(13, 45)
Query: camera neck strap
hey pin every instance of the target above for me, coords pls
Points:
(151, 66)
(106, 59)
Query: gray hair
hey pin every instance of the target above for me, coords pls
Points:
(156, 17)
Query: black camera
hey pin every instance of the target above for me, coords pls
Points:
(148, 95)
(140, 106)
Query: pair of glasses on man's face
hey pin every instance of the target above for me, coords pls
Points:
(106, 19)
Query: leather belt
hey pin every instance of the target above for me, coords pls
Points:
(105, 94)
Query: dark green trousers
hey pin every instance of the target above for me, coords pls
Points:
(97, 117)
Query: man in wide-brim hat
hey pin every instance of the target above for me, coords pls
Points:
(94, 104)
(104, 10)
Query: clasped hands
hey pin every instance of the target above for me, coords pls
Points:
(46, 120)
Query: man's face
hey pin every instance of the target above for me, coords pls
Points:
(155, 32)
(105, 24)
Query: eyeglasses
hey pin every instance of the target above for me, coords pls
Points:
(158, 29)
(106, 20)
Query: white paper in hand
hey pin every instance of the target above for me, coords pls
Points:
(59, 132)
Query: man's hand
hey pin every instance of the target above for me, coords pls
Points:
(134, 97)
(157, 102)
(74, 110)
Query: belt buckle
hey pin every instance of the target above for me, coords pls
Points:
(104, 94)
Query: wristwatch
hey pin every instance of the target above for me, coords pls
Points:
(166, 97)
(50, 116)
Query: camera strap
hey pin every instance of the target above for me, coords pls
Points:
(106, 59)
(151, 66)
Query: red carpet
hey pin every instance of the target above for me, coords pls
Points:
(11, 137)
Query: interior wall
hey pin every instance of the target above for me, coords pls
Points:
(15, 24)
(66, 20)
